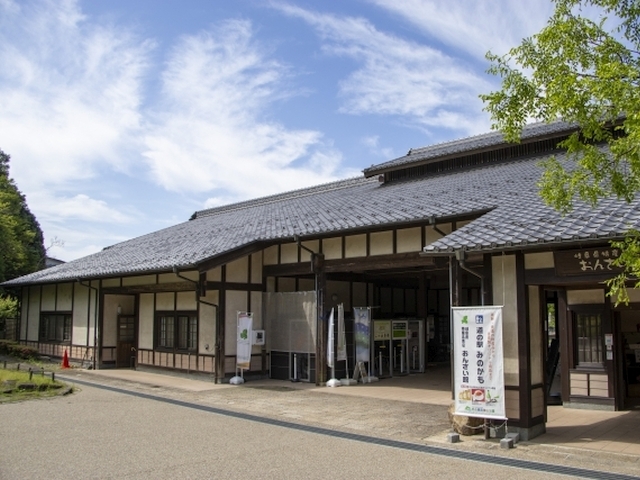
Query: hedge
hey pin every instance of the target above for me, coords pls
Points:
(9, 347)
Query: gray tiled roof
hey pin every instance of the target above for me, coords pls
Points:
(507, 192)
(466, 146)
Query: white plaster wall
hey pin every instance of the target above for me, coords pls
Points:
(111, 282)
(236, 301)
(173, 278)
(332, 248)
(214, 275)
(381, 243)
(165, 301)
(48, 303)
(533, 261)
(238, 270)
(141, 280)
(355, 246)
(34, 314)
(313, 245)
(207, 323)
(271, 255)
(145, 321)
(81, 320)
(186, 301)
(256, 268)
(65, 297)
(409, 240)
(256, 309)
(584, 297)
(504, 293)
(289, 253)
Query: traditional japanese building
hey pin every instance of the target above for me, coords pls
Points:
(454, 224)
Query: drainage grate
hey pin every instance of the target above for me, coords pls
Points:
(415, 447)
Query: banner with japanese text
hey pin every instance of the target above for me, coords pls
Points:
(245, 332)
(478, 362)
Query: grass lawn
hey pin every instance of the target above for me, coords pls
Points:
(15, 385)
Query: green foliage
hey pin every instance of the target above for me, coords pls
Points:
(21, 238)
(14, 349)
(8, 307)
(586, 72)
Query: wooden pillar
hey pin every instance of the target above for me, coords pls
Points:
(220, 329)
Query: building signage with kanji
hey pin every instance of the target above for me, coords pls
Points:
(478, 362)
(588, 261)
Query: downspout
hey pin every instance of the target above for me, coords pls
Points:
(199, 289)
(461, 257)
(95, 321)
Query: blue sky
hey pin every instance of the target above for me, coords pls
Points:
(123, 117)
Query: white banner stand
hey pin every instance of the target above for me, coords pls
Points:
(333, 382)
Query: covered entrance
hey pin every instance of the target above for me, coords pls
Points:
(126, 349)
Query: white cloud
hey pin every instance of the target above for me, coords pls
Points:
(473, 26)
(70, 100)
(372, 143)
(77, 207)
(399, 77)
(211, 131)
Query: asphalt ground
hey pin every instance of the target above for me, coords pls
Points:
(123, 429)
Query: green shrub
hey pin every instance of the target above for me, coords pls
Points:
(5, 346)
(23, 351)
(9, 347)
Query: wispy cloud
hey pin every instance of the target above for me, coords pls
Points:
(473, 26)
(212, 131)
(411, 80)
(70, 97)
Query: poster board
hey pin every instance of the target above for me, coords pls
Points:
(478, 362)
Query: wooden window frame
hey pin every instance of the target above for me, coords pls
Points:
(595, 340)
(179, 335)
(45, 334)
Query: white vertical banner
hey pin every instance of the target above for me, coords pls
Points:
(342, 336)
(245, 329)
(478, 362)
(362, 333)
(330, 349)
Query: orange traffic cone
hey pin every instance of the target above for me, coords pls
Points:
(65, 360)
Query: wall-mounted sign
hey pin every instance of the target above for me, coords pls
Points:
(381, 330)
(591, 261)
(400, 329)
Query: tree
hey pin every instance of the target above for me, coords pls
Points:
(21, 238)
(583, 68)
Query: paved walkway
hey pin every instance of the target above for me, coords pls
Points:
(603, 431)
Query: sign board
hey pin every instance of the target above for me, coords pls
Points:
(362, 332)
(381, 330)
(245, 335)
(400, 329)
(478, 362)
(589, 261)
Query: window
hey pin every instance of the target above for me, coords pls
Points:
(589, 339)
(55, 327)
(177, 331)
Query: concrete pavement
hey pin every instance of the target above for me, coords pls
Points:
(403, 408)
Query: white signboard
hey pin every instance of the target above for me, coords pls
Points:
(243, 352)
(478, 362)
